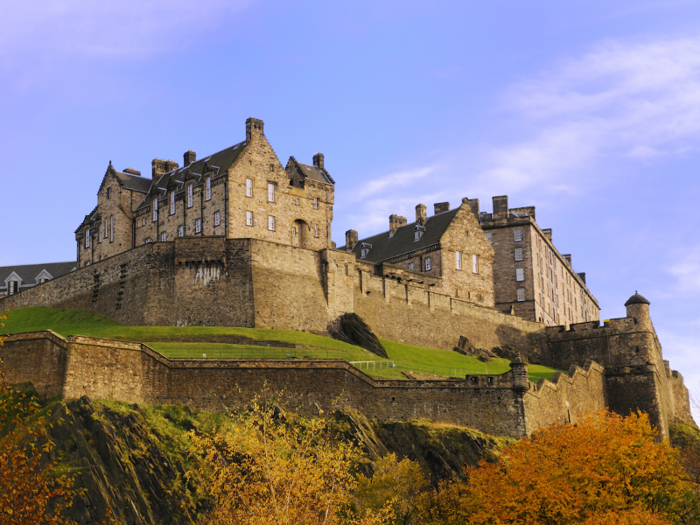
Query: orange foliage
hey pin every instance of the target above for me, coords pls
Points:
(604, 469)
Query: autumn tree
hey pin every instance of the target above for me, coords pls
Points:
(604, 469)
(266, 468)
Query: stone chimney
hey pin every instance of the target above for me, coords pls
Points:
(132, 171)
(582, 276)
(567, 258)
(190, 156)
(253, 128)
(318, 161)
(441, 207)
(474, 205)
(158, 168)
(500, 207)
(171, 165)
(548, 233)
(420, 214)
(350, 239)
(395, 222)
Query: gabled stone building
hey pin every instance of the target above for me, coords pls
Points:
(14, 279)
(240, 192)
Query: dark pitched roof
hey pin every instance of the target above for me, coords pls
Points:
(636, 299)
(29, 272)
(385, 247)
(133, 182)
(216, 164)
(306, 171)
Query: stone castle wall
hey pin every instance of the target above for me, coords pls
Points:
(131, 372)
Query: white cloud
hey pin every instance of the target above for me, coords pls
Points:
(45, 29)
(388, 183)
(687, 272)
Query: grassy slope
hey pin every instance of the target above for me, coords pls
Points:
(170, 343)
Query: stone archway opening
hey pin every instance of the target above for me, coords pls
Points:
(300, 234)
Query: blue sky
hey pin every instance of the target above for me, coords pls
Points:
(589, 110)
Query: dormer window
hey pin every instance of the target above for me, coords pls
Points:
(364, 250)
(418, 232)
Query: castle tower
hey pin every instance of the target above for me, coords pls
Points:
(638, 308)
(518, 369)
(254, 127)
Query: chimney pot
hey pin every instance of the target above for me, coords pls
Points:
(420, 214)
(190, 157)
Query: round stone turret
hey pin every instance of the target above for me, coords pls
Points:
(638, 307)
(518, 369)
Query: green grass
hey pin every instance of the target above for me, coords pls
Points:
(172, 341)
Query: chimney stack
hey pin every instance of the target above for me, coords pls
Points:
(500, 207)
(190, 156)
(318, 160)
(395, 222)
(253, 128)
(441, 207)
(420, 214)
(157, 169)
(567, 258)
(548, 233)
(474, 205)
(350, 239)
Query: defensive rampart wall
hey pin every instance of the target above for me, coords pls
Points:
(134, 373)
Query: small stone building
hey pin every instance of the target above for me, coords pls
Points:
(14, 279)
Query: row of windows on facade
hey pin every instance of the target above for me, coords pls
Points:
(108, 232)
(428, 264)
(517, 235)
(270, 192)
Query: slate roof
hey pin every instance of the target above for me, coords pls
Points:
(29, 272)
(218, 163)
(385, 247)
(314, 173)
(133, 182)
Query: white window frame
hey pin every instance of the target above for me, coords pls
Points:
(270, 192)
(181, 231)
(163, 237)
(520, 274)
(190, 195)
(271, 223)
(315, 230)
(458, 259)
(518, 254)
(475, 263)
(111, 229)
(489, 236)
(518, 234)
(172, 203)
(249, 187)
(520, 294)
(249, 218)
(208, 187)
(155, 209)
(148, 240)
(315, 203)
(87, 238)
(428, 264)
(198, 225)
(217, 218)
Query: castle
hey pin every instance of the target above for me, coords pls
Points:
(237, 239)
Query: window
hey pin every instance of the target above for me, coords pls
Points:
(518, 254)
(297, 202)
(489, 236)
(315, 203)
(111, 229)
(163, 237)
(519, 274)
(87, 237)
(475, 263)
(249, 218)
(155, 209)
(180, 231)
(418, 232)
(99, 234)
(294, 232)
(521, 294)
(109, 192)
(458, 260)
(217, 219)
(428, 264)
(189, 195)
(365, 250)
(148, 239)
(172, 203)
(518, 234)
(315, 230)
(249, 187)
(270, 223)
(411, 266)
(270, 192)
(208, 188)
(198, 225)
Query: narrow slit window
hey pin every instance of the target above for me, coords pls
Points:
(172, 203)
(249, 187)
(475, 263)
(315, 230)
(111, 229)
(217, 219)
(180, 231)
(163, 237)
(489, 236)
(99, 234)
(189, 195)
(208, 188)
(155, 209)
(198, 225)
(270, 223)
(87, 237)
(249, 218)
(458, 260)
(315, 203)
(270, 192)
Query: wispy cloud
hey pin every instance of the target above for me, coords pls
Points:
(47, 29)
(687, 272)
(396, 179)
